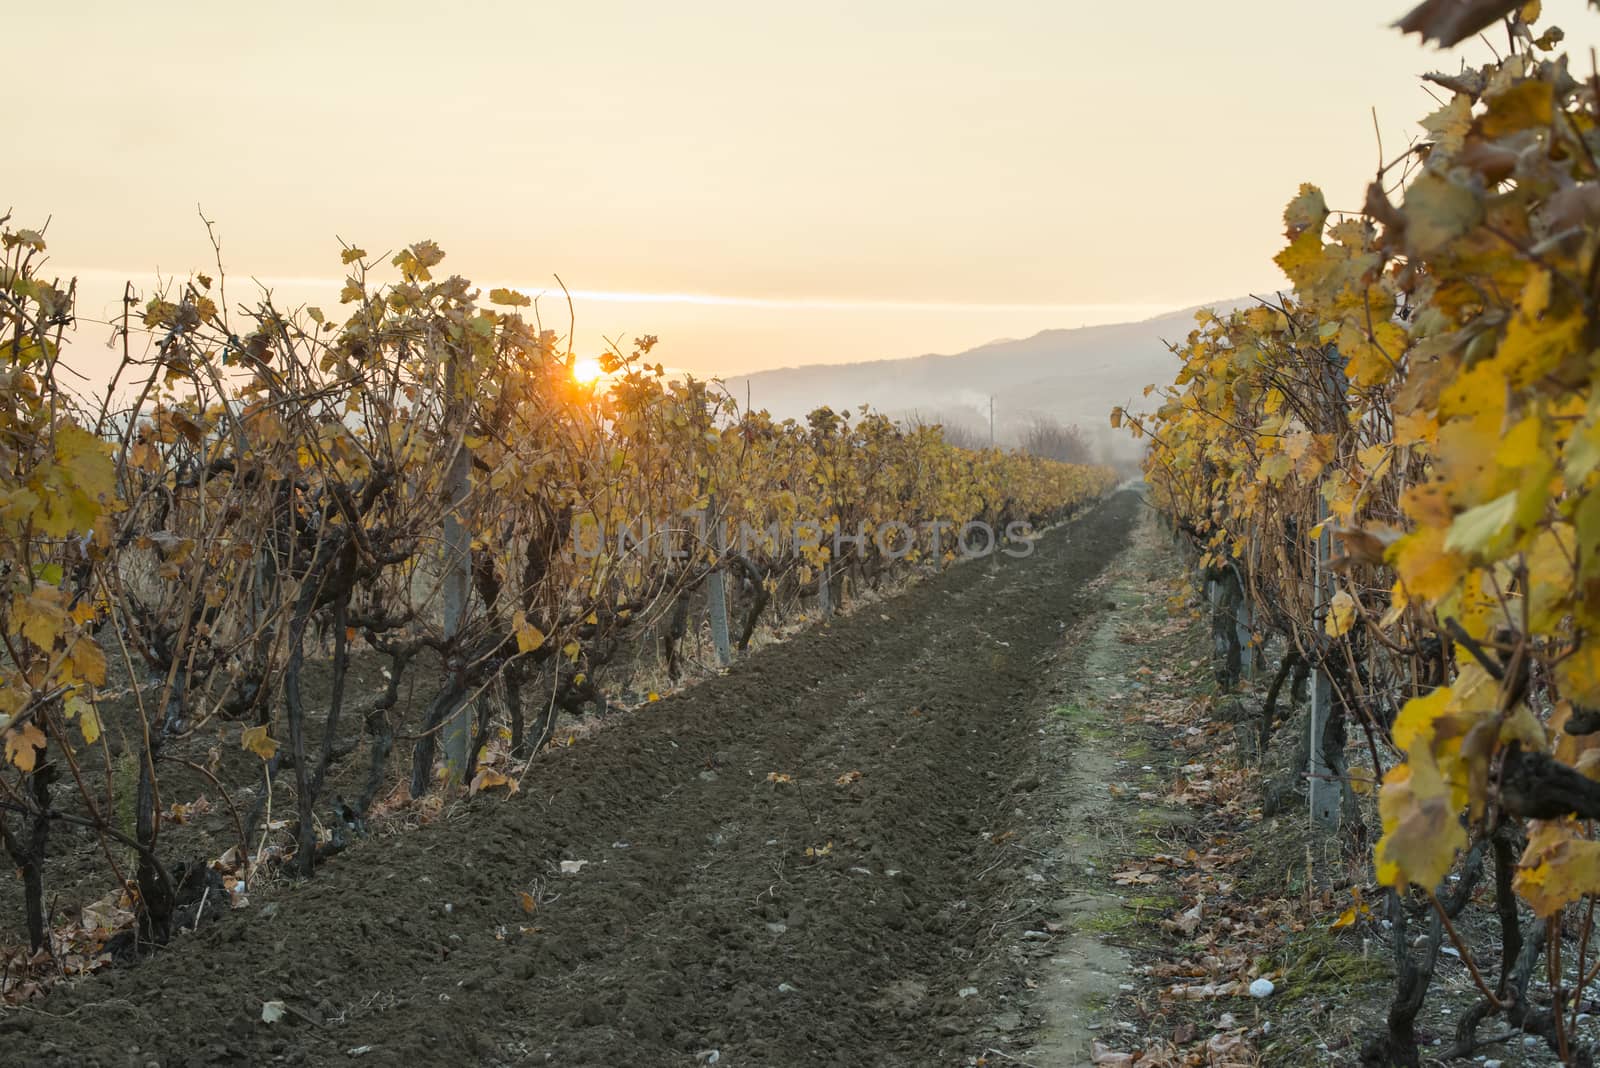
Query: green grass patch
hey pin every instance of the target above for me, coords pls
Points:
(1318, 964)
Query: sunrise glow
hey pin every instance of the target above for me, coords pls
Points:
(587, 370)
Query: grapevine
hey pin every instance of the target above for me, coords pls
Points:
(1425, 400)
(262, 492)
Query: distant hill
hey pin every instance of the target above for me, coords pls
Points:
(1074, 376)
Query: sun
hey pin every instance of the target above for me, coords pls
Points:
(586, 370)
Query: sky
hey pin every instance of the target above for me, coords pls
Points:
(758, 184)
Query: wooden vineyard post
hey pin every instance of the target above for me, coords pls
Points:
(717, 587)
(1324, 791)
(1241, 624)
(1251, 660)
(457, 582)
(1225, 594)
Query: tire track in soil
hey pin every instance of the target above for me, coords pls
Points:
(698, 922)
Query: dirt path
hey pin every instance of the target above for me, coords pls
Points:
(718, 917)
(1088, 967)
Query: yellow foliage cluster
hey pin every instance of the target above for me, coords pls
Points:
(250, 471)
(1427, 397)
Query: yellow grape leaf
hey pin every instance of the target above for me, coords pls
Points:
(1535, 294)
(489, 779)
(88, 458)
(1519, 448)
(1421, 824)
(89, 724)
(1481, 530)
(1437, 212)
(23, 745)
(1528, 103)
(1348, 917)
(77, 708)
(41, 616)
(1341, 615)
(1418, 716)
(509, 297)
(1305, 213)
(256, 740)
(88, 662)
(1415, 428)
(571, 650)
(1559, 866)
(1532, 349)
(1276, 467)
(1427, 568)
(1450, 124)
(1578, 675)
(529, 637)
(1304, 260)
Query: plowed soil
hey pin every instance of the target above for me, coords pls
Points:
(718, 917)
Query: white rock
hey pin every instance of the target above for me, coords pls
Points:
(1262, 988)
(572, 867)
(966, 992)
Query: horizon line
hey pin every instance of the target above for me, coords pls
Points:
(610, 296)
